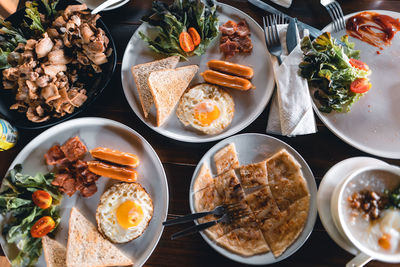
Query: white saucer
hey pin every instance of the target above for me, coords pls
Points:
(332, 178)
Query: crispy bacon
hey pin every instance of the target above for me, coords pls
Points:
(72, 173)
(235, 38)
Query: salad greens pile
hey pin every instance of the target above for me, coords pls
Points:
(394, 198)
(327, 68)
(10, 37)
(16, 202)
(170, 21)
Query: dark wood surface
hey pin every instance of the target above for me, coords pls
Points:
(321, 150)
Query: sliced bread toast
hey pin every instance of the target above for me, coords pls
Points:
(167, 87)
(54, 252)
(88, 248)
(141, 74)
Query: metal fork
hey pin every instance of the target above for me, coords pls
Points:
(336, 13)
(218, 211)
(272, 35)
(227, 218)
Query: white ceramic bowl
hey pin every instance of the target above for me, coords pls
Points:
(338, 212)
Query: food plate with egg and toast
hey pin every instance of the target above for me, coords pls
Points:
(199, 111)
(118, 219)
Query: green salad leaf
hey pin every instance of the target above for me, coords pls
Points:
(16, 202)
(170, 21)
(326, 65)
(33, 14)
(50, 6)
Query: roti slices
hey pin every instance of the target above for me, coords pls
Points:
(253, 175)
(282, 229)
(204, 179)
(285, 179)
(141, 75)
(226, 159)
(167, 87)
(87, 247)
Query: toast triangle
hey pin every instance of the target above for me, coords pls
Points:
(88, 248)
(141, 74)
(167, 87)
(54, 252)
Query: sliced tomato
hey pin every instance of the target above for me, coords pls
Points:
(186, 42)
(358, 64)
(360, 86)
(42, 227)
(42, 199)
(195, 36)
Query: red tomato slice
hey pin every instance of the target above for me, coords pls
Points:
(42, 227)
(358, 64)
(360, 86)
(42, 199)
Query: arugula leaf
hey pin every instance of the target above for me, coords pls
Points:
(9, 40)
(50, 6)
(327, 68)
(170, 21)
(32, 13)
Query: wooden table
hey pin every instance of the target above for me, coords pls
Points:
(321, 150)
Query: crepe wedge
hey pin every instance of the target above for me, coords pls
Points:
(226, 159)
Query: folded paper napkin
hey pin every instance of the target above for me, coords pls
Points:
(291, 110)
(284, 3)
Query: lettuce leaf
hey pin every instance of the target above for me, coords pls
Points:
(326, 66)
(169, 21)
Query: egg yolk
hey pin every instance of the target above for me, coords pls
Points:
(129, 214)
(206, 112)
(384, 241)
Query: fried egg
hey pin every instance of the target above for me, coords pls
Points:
(387, 230)
(124, 212)
(206, 108)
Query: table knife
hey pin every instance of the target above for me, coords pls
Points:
(314, 32)
(291, 35)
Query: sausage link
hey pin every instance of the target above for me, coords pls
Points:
(231, 68)
(115, 156)
(125, 174)
(226, 80)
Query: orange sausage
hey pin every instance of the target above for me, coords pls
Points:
(115, 156)
(125, 174)
(226, 80)
(231, 68)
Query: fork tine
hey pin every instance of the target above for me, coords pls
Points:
(335, 26)
(265, 32)
(341, 16)
(276, 33)
(269, 23)
(337, 16)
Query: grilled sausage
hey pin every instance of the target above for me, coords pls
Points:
(226, 80)
(125, 174)
(231, 68)
(115, 156)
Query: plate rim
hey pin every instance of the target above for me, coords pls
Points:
(114, 6)
(312, 214)
(333, 129)
(193, 139)
(101, 121)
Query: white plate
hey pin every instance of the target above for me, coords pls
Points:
(248, 105)
(253, 148)
(101, 132)
(373, 123)
(92, 4)
(333, 178)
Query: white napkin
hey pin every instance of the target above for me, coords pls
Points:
(284, 3)
(291, 110)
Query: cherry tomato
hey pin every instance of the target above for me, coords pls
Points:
(360, 86)
(42, 199)
(186, 42)
(42, 227)
(358, 64)
(195, 36)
